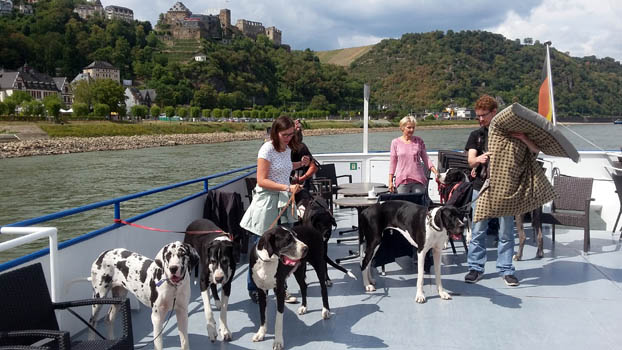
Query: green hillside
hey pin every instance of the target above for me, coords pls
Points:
(432, 70)
(182, 51)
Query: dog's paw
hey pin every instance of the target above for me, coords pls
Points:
(277, 345)
(540, 253)
(218, 304)
(517, 257)
(211, 331)
(420, 298)
(351, 274)
(325, 313)
(259, 335)
(370, 288)
(302, 310)
(225, 334)
(444, 295)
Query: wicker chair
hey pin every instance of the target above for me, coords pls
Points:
(572, 207)
(327, 171)
(617, 180)
(29, 318)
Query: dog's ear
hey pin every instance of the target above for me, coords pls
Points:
(194, 256)
(266, 242)
(159, 258)
(438, 219)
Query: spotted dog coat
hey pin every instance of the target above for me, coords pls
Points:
(422, 229)
(215, 248)
(277, 255)
(157, 283)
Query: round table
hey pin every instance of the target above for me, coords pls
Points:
(360, 203)
(361, 189)
(358, 184)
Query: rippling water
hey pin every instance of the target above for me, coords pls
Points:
(34, 186)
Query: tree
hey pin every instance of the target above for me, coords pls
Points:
(3, 108)
(182, 112)
(53, 104)
(195, 112)
(205, 97)
(139, 111)
(20, 96)
(101, 110)
(319, 102)
(108, 92)
(82, 93)
(155, 111)
(169, 111)
(217, 112)
(206, 113)
(80, 109)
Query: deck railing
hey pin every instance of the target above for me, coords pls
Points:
(116, 202)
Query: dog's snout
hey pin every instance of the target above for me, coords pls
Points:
(173, 269)
(218, 279)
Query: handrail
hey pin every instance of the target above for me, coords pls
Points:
(117, 202)
(32, 234)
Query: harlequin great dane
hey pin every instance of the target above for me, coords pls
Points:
(277, 255)
(157, 283)
(215, 247)
(422, 229)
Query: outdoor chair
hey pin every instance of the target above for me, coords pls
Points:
(572, 206)
(617, 180)
(250, 182)
(28, 315)
(324, 189)
(452, 159)
(327, 171)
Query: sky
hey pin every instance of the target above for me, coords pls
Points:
(579, 27)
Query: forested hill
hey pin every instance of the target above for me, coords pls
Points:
(430, 70)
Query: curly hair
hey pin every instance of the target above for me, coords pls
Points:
(409, 119)
(487, 103)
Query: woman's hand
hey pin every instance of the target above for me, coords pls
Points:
(391, 188)
(483, 158)
(305, 161)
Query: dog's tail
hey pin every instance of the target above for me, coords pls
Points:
(338, 267)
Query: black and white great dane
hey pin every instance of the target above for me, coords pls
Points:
(277, 255)
(314, 212)
(422, 229)
(157, 283)
(216, 249)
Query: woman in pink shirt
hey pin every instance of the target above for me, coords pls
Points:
(407, 154)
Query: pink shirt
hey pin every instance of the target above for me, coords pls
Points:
(406, 161)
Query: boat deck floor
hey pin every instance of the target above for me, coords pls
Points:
(567, 300)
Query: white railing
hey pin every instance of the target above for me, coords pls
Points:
(33, 234)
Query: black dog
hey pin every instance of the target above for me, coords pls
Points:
(277, 255)
(216, 249)
(317, 215)
(422, 229)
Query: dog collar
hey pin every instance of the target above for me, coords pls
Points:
(431, 215)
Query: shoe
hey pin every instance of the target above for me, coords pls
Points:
(511, 280)
(290, 299)
(473, 276)
(254, 296)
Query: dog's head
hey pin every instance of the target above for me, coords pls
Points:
(448, 218)
(175, 259)
(283, 243)
(219, 260)
(452, 176)
(318, 216)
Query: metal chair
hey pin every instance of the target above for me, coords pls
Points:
(28, 314)
(250, 182)
(572, 207)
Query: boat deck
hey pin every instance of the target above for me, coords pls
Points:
(567, 300)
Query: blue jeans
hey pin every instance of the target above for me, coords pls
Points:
(476, 258)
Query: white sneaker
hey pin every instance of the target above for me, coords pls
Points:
(290, 299)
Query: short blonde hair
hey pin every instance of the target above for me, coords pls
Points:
(409, 119)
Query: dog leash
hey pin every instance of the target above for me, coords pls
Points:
(119, 221)
(292, 202)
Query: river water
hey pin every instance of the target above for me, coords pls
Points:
(35, 186)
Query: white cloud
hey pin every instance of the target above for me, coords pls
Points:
(580, 27)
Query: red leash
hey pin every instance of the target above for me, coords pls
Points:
(119, 221)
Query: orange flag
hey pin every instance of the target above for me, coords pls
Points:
(545, 107)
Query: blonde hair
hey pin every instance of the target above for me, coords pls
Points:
(406, 120)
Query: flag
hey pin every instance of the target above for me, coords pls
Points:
(545, 100)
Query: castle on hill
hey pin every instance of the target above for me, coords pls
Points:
(182, 24)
